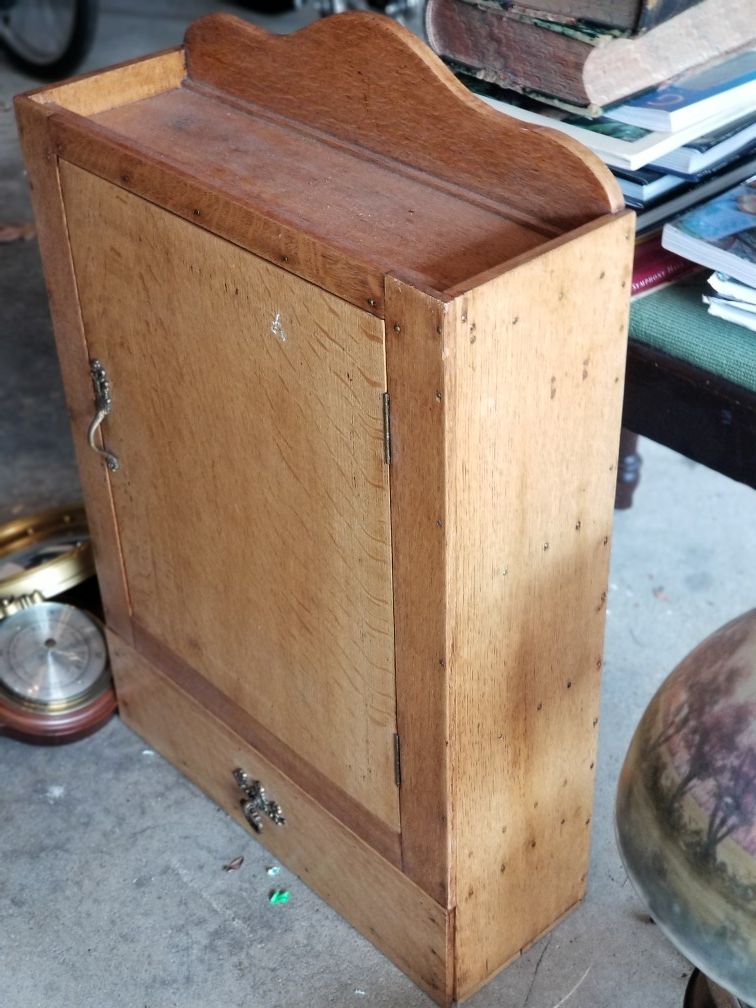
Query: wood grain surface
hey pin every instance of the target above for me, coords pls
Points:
(149, 174)
(73, 354)
(377, 899)
(370, 208)
(535, 359)
(252, 501)
(418, 114)
(127, 82)
(417, 385)
(305, 601)
(368, 827)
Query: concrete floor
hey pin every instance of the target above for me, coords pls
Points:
(112, 889)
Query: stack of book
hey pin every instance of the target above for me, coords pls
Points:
(664, 91)
(721, 234)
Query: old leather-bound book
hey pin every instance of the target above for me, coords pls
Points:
(579, 66)
(629, 16)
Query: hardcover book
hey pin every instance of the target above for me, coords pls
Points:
(654, 266)
(583, 68)
(630, 16)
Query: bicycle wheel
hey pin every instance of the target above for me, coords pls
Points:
(47, 38)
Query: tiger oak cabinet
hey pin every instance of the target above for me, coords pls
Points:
(343, 351)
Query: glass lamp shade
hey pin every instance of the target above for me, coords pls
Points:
(686, 807)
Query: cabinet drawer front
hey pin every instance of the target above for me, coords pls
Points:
(252, 498)
(374, 896)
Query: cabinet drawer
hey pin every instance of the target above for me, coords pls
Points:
(373, 895)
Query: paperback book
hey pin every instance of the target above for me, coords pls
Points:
(731, 300)
(727, 85)
(731, 289)
(644, 185)
(719, 233)
(618, 144)
(741, 313)
(679, 202)
(711, 149)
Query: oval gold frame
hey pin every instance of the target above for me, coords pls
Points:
(54, 576)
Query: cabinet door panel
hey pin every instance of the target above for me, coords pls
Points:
(252, 499)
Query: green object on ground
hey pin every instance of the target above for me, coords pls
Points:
(279, 896)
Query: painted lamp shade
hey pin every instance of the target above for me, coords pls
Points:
(686, 807)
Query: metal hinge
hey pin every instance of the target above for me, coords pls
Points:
(397, 762)
(386, 428)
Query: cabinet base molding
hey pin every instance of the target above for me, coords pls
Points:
(405, 923)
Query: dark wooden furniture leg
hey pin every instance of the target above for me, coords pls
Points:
(628, 470)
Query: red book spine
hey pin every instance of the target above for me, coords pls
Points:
(654, 266)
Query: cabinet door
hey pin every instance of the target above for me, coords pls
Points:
(252, 499)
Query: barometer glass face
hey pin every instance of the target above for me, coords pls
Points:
(52, 657)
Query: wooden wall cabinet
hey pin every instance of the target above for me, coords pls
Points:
(365, 340)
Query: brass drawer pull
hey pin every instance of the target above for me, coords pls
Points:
(104, 406)
(254, 804)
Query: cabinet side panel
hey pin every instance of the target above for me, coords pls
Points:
(537, 358)
(415, 366)
(73, 357)
(380, 902)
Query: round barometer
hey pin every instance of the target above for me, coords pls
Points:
(55, 683)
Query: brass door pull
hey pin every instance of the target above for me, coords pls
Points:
(104, 406)
(254, 804)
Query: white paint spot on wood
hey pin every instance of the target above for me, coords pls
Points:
(277, 329)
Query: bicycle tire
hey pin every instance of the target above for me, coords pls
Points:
(65, 62)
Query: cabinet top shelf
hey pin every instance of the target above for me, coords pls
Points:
(346, 150)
